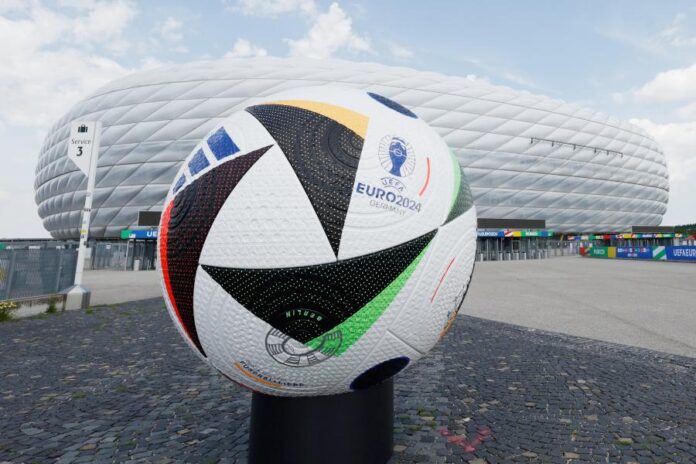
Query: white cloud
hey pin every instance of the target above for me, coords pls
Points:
(517, 79)
(151, 63)
(678, 141)
(51, 58)
(171, 30)
(671, 40)
(45, 65)
(400, 52)
(104, 24)
(675, 84)
(13, 6)
(242, 48)
(330, 32)
(275, 7)
(179, 49)
(674, 34)
(687, 112)
(673, 90)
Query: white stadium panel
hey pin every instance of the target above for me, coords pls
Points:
(526, 156)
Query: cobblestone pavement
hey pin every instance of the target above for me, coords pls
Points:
(117, 383)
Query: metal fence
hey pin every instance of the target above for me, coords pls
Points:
(124, 256)
(33, 272)
(109, 255)
(507, 249)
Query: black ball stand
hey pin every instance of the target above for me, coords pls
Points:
(350, 428)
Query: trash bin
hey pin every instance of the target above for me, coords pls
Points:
(136, 265)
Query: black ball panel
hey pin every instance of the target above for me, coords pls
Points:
(379, 373)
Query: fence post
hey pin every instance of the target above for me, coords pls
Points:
(59, 272)
(10, 275)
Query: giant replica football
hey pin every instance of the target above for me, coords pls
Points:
(317, 242)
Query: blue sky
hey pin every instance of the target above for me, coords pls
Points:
(632, 59)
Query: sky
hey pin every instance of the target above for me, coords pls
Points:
(628, 58)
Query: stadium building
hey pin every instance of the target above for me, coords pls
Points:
(527, 157)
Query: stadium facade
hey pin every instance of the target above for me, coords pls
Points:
(526, 156)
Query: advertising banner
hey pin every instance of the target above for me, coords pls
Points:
(490, 233)
(598, 252)
(681, 253)
(634, 252)
(139, 234)
(656, 253)
(659, 253)
(515, 233)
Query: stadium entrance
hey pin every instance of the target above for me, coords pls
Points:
(519, 239)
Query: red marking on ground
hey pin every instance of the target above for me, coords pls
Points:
(163, 234)
(469, 446)
(427, 179)
(441, 279)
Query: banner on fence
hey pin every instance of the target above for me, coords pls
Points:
(598, 252)
(634, 252)
(656, 253)
(681, 253)
(150, 234)
(515, 233)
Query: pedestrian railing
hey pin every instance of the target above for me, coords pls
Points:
(33, 272)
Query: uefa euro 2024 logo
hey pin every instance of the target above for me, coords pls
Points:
(396, 156)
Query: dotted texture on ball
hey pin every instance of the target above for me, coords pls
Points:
(463, 200)
(185, 228)
(333, 291)
(323, 153)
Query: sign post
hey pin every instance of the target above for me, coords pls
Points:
(83, 150)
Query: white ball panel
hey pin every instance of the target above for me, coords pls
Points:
(420, 199)
(389, 346)
(423, 317)
(267, 221)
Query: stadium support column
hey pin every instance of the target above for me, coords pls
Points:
(356, 427)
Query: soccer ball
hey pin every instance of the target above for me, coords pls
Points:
(317, 242)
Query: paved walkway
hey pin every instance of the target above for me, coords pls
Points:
(645, 304)
(118, 384)
(109, 287)
(638, 303)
